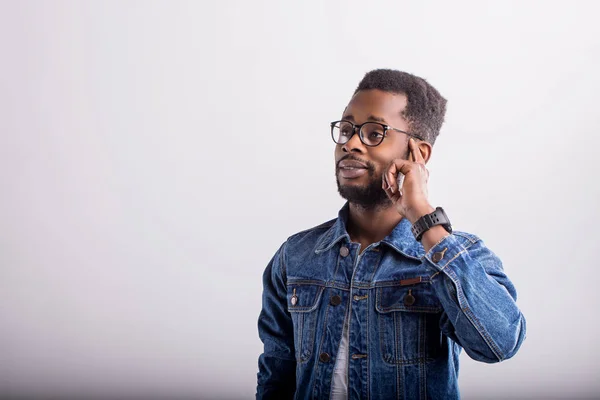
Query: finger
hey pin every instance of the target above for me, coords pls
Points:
(400, 178)
(419, 155)
(386, 186)
(389, 176)
(394, 197)
(397, 165)
(415, 152)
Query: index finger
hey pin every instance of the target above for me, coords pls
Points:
(417, 156)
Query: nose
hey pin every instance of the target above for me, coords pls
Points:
(354, 142)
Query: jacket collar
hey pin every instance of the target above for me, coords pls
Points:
(400, 238)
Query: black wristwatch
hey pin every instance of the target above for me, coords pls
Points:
(423, 224)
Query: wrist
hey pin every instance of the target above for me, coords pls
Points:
(417, 213)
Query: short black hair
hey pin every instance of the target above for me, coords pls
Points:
(426, 107)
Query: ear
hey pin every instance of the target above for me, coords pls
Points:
(425, 149)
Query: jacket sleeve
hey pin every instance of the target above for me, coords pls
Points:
(276, 378)
(479, 301)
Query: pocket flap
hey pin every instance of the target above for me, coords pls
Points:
(303, 298)
(416, 298)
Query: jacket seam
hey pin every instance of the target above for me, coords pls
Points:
(466, 310)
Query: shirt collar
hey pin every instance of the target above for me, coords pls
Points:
(400, 238)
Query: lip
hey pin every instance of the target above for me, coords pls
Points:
(350, 173)
(351, 164)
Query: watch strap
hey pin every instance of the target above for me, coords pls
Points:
(427, 221)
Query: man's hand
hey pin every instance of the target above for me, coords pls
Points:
(411, 201)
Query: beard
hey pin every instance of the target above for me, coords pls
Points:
(369, 196)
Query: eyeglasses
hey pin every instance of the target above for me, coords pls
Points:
(370, 133)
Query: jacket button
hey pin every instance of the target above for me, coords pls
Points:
(409, 299)
(335, 300)
(437, 257)
(344, 251)
(324, 357)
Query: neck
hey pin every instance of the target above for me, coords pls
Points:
(368, 226)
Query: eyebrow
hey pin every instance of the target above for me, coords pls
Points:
(371, 118)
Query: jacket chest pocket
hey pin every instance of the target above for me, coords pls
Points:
(408, 322)
(303, 301)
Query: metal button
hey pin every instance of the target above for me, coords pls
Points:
(409, 299)
(344, 251)
(324, 357)
(437, 257)
(335, 300)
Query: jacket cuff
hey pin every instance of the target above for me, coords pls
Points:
(444, 252)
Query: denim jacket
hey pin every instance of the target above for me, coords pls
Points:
(410, 314)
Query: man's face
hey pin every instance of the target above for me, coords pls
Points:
(363, 187)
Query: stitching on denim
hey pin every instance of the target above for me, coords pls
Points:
(385, 310)
(339, 256)
(403, 253)
(398, 386)
(399, 351)
(452, 290)
(411, 361)
(423, 327)
(472, 318)
(438, 242)
(300, 281)
(381, 329)
(312, 331)
(338, 285)
(324, 330)
(358, 284)
(283, 267)
(431, 277)
(377, 263)
(420, 309)
(333, 243)
(454, 258)
(490, 342)
(421, 358)
(470, 237)
(300, 335)
(368, 358)
(315, 303)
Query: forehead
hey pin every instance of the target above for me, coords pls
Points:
(377, 103)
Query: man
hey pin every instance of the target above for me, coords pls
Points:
(379, 302)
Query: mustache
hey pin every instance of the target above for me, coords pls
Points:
(351, 158)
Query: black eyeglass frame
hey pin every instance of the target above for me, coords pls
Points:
(360, 134)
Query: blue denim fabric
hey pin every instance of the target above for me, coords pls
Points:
(397, 350)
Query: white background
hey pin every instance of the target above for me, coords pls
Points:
(154, 155)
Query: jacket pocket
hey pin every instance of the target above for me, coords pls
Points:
(303, 301)
(409, 316)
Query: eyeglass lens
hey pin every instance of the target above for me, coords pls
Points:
(371, 133)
